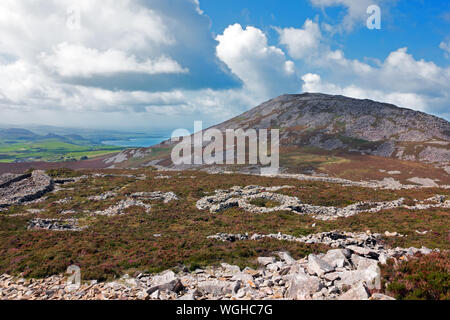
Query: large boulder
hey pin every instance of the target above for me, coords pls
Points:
(264, 261)
(286, 257)
(303, 286)
(362, 263)
(370, 276)
(336, 258)
(358, 292)
(166, 281)
(218, 288)
(318, 266)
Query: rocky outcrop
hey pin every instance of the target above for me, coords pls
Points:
(242, 198)
(134, 201)
(16, 189)
(120, 208)
(54, 225)
(157, 195)
(352, 125)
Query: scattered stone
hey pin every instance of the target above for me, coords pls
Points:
(336, 258)
(390, 234)
(242, 197)
(119, 208)
(17, 189)
(166, 281)
(104, 196)
(157, 195)
(54, 225)
(356, 272)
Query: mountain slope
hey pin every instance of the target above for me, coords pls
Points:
(337, 123)
(334, 136)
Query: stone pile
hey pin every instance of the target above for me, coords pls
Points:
(16, 189)
(349, 272)
(386, 183)
(54, 225)
(119, 208)
(242, 197)
(157, 195)
(136, 201)
(371, 242)
(103, 196)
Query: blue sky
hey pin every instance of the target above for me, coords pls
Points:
(161, 64)
(419, 25)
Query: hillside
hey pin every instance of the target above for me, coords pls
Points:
(150, 235)
(334, 136)
(341, 124)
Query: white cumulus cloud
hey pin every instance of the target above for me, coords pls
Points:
(70, 60)
(263, 68)
(301, 42)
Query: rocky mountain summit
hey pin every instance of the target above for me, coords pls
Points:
(338, 123)
(332, 136)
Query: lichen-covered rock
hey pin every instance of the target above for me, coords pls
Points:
(16, 189)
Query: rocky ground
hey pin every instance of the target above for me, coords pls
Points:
(62, 209)
(15, 189)
(349, 272)
(242, 197)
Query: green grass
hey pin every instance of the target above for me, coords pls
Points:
(49, 150)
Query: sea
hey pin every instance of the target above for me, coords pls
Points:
(136, 142)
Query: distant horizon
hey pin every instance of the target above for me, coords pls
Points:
(166, 131)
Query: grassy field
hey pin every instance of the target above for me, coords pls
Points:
(112, 246)
(50, 150)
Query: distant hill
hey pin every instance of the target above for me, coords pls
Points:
(17, 134)
(346, 125)
(336, 136)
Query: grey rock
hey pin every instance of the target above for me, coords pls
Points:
(264, 261)
(303, 286)
(216, 287)
(187, 297)
(379, 296)
(318, 266)
(286, 257)
(17, 189)
(166, 281)
(358, 292)
(362, 263)
(370, 276)
(336, 258)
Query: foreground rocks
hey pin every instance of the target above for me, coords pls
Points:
(243, 196)
(349, 272)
